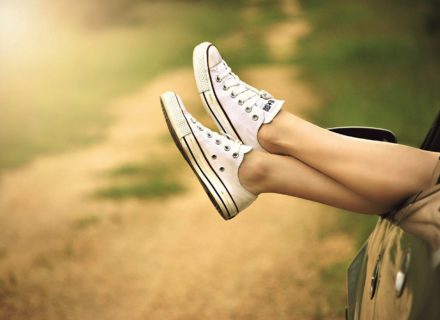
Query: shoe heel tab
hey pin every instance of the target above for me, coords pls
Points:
(171, 97)
(167, 95)
(203, 44)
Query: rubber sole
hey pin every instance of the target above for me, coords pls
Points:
(193, 154)
(207, 93)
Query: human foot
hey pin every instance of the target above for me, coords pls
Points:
(237, 108)
(214, 158)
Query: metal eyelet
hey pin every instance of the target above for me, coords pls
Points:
(265, 95)
(200, 128)
(255, 117)
(233, 95)
(217, 78)
(217, 141)
(213, 157)
(193, 120)
(240, 102)
(235, 155)
(209, 135)
(225, 88)
(227, 148)
(248, 109)
(222, 169)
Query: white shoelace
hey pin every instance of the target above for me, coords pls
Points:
(249, 95)
(229, 143)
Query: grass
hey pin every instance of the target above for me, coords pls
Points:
(56, 88)
(374, 63)
(142, 181)
(155, 188)
(333, 276)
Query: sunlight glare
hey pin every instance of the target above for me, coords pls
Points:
(14, 22)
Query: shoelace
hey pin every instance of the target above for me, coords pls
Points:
(245, 91)
(230, 144)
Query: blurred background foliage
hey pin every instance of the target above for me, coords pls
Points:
(59, 72)
(372, 63)
(375, 63)
(62, 63)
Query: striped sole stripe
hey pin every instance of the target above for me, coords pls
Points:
(190, 149)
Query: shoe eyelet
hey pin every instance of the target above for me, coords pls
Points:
(248, 109)
(209, 135)
(213, 157)
(227, 148)
(193, 120)
(233, 95)
(265, 95)
(200, 128)
(235, 155)
(225, 88)
(240, 102)
(217, 141)
(222, 169)
(255, 117)
(217, 78)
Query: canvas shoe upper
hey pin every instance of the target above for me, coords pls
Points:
(214, 158)
(237, 108)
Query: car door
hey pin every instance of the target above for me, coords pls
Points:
(396, 275)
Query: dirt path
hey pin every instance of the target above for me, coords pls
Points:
(164, 259)
(282, 38)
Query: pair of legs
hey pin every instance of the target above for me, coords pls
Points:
(312, 163)
(303, 160)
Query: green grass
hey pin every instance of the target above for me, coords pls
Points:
(332, 276)
(55, 93)
(142, 181)
(373, 63)
(155, 188)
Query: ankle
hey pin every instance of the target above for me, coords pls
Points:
(270, 135)
(268, 138)
(253, 172)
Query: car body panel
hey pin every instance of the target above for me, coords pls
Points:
(396, 275)
(388, 251)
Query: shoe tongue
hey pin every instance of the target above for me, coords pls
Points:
(272, 108)
(214, 57)
(268, 104)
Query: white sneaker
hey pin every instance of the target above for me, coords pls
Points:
(237, 108)
(214, 158)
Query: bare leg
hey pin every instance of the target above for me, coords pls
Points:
(383, 172)
(263, 172)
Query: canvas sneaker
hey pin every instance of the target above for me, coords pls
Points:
(214, 158)
(237, 108)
